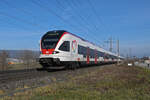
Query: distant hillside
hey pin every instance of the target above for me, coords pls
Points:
(18, 53)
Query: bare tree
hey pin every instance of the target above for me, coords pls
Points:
(3, 60)
(28, 58)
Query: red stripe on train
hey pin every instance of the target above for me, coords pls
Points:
(88, 58)
(95, 57)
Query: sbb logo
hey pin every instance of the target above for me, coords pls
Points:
(74, 45)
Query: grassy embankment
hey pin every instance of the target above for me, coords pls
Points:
(105, 83)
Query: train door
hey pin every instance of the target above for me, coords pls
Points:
(74, 50)
(95, 56)
(106, 57)
(88, 55)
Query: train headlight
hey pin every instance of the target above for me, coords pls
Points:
(55, 52)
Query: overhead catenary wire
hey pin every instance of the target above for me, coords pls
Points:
(72, 5)
(34, 32)
(52, 12)
(37, 2)
(95, 12)
(97, 16)
(38, 25)
(19, 9)
(60, 6)
(22, 11)
(58, 2)
(100, 21)
(77, 21)
(75, 3)
(20, 19)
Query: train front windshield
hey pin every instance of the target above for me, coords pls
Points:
(50, 40)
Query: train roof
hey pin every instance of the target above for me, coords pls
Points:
(57, 31)
(62, 31)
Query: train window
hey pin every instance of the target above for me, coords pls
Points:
(65, 46)
(100, 54)
(113, 57)
(50, 39)
(79, 49)
(82, 50)
(92, 53)
(103, 54)
(106, 56)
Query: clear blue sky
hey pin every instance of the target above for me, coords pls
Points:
(23, 22)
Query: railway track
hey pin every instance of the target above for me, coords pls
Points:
(15, 75)
(16, 71)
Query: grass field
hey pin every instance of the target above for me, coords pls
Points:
(105, 83)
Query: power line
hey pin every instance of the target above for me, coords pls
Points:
(77, 3)
(58, 2)
(63, 8)
(72, 4)
(19, 19)
(77, 21)
(51, 11)
(82, 18)
(35, 24)
(34, 32)
(86, 20)
(95, 12)
(106, 28)
(21, 10)
(38, 3)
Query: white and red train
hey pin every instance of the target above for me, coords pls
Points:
(61, 48)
